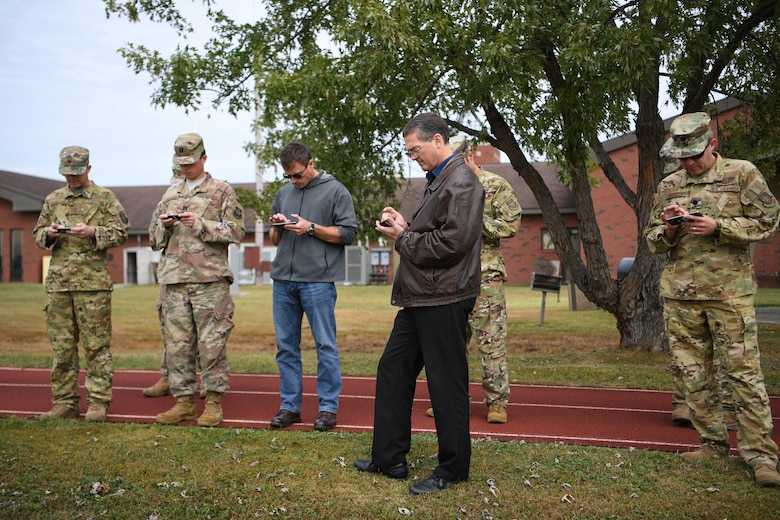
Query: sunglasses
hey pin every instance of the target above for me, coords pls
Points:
(295, 176)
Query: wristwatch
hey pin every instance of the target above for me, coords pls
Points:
(311, 230)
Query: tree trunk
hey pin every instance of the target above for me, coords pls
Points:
(639, 312)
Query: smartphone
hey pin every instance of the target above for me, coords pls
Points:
(282, 224)
(385, 223)
(63, 229)
(174, 216)
(694, 214)
(675, 221)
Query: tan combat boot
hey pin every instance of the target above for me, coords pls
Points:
(497, 413)
(96, 411)
(212, 414)
(702, 454)
(61, 411)
(159, 389)
(183, 410)
(766, 476)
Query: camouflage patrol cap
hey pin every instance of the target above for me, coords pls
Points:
(459, 144)
(691, 133)
(188, 148)
(74, 160)
(670, 163)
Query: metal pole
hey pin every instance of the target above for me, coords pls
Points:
(544, 299)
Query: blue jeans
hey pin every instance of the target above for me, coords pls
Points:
(318, 301)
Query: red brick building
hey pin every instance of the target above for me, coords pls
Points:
(21, 260)
(21, 198)
(616, 220)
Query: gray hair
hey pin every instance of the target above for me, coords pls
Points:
(426, 125)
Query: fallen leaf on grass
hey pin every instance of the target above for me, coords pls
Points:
(99, 488)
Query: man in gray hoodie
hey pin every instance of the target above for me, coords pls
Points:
(312, 219)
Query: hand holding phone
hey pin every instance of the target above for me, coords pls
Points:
(675, 221)
(282, 224)
(385, 223)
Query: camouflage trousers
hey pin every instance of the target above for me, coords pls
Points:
(488, 323)
(196, 322)
(80, 316)
(698, 332)
(164, 357)
(678, 391)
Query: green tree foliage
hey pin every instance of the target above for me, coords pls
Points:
(531, 78)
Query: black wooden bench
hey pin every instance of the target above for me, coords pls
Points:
(377, 278)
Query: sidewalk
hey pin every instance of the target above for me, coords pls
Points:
(768, 315)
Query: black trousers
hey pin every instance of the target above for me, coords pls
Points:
(434, 338)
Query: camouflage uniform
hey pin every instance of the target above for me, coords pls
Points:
(78, 287)
(708, 286)
(670, 165)
(195, 307)
(488, 321)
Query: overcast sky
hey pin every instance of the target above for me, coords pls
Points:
(63, 83)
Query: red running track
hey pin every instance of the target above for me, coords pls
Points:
(572, 415)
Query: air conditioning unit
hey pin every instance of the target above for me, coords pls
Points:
(358, 266)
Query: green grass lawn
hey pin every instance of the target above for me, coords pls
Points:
(73, 469)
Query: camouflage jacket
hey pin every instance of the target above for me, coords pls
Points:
(735, 194)
(501, 219)
(197, 254)
(80, 264)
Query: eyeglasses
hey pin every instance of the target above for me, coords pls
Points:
(416, 149)
(295, 176)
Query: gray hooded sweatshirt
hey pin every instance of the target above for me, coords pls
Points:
(325, 202)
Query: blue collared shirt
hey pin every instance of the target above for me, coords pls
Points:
(431, 175)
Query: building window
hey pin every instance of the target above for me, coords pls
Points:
(16, 255)
(547, 243)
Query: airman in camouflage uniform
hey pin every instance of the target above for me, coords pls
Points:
(79, 223)
(194, 224)
(681, 415)
(162, 387)
(488, 320)
(708, 286)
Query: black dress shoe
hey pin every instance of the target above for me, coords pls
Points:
(432, 484)
(397, 471)
(325, 421)
(285, 418)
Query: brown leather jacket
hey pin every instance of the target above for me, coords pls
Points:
(439, 253)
